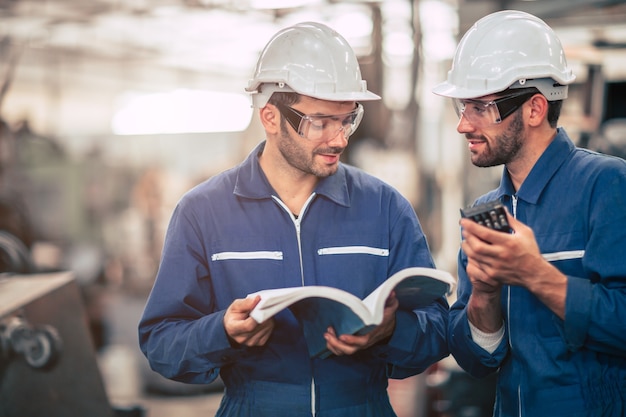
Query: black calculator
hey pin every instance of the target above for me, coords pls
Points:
(490, 214)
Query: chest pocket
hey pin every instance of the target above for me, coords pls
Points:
(568, 262)
(564, 255)
(562, 244)
(226, 256)
(248, 264)
(354, 268)
(346, 250)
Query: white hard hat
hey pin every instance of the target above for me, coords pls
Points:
(508, 49)
(310, 59)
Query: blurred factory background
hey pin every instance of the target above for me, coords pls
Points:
(110, 110)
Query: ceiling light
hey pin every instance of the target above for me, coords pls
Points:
(181, 111)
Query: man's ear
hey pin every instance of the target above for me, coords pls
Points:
(538, 109)
(270, 118)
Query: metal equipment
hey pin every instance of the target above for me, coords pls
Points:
(48, 366)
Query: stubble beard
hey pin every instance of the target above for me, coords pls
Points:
(505, 147)
(302, 159)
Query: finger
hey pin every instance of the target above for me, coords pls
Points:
(483, 276)
(392, 301)
(353, 342)
(250, 333)
(338, 346)
(476, 273)
(474, 247)
(521, 228)
(261, 335)
(245, 305)
(484, 233)
(482, 250)
(240, 325)
(331, 341)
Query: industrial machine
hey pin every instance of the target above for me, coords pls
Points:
(48, 366)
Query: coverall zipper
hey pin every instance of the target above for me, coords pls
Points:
(296, 223)
(519, 386)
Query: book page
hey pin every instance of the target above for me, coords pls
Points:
(414, 287)
(275, 300)
(320, 307)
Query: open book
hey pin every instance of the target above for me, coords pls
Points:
(318, 307)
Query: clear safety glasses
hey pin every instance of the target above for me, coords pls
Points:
(322, 127)
(484, 113)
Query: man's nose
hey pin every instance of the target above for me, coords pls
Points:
(464, 125)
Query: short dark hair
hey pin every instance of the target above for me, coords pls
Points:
(554, 111)
(286, 99)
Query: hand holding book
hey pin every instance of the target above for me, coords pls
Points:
(318, 307)
(348, 344)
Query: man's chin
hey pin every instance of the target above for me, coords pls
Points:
(326, 171)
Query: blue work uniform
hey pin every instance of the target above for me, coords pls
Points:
(231, 236)
(575, 202)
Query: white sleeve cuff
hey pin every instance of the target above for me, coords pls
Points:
(487, 341)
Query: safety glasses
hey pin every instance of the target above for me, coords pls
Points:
(483, 113)
(322, 127)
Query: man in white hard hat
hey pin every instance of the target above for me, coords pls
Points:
(545, 305)
(292, 215)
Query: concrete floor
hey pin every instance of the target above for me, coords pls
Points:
(189, 406)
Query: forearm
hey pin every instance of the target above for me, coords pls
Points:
(484, 311)
(549, 285)
(470, 355)
(175, 350)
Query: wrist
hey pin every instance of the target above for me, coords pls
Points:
(546, 280)
(484, 311)
(485, 299)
